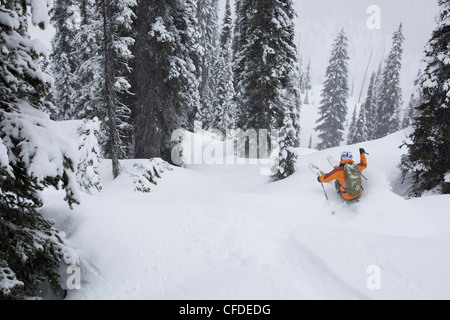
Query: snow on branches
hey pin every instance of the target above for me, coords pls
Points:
(89, 152)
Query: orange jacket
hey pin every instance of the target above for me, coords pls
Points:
(339, 174)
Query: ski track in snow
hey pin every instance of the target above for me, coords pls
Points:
(224, 232)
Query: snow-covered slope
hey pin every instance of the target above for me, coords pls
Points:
(224, 232)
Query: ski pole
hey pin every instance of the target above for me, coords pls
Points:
(362, 151)
(324, 191)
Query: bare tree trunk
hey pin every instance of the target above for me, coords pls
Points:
(110, 98)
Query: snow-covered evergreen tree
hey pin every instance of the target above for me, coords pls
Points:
(225, 105)
(307, 82)
(102, 77)
(301, 75)
(352, 128)
(88, 79)
(333, 109)
(190, 50)
(88, 175)
(117, 15)
(165, 75)
(208, 21)
(267, 94)
(365, 124)
(371, 105)
(415, 100)
(410, 112)
(62, 61)
(306, 97)
(360, 134)
(239, 42)
(33, 155)
(427, 163)
(308, 85)
(226, 34)
(287, 158)
(391, 93)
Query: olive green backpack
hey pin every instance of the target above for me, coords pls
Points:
(353, 179)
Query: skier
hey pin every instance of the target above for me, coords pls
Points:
(348, 183)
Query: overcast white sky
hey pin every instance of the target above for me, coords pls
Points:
(319, 21)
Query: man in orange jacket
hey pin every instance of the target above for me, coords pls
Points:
(338, 174)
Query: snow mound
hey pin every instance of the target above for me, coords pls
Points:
(145, 173)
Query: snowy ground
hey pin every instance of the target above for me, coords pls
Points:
(224, 232)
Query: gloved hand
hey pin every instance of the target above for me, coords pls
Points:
(362, 151)
(318, 179)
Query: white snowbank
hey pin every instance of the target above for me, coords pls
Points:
(224, 232)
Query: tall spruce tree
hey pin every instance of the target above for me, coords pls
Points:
(391, 93)
(102, 76)
(415, 100)
(88, 79)
(239, 42)
(63, 62)
(208, 20)
(225, 105)
(371, 105)
(308, 85)
(352, 128)
(239, 25)
(306, 97)
(363, 123)
(88, 175)
(165, 74)
(333, 109)
(360, 134)
(307, 82)
(301, 75)
(117, 16)
(226, 35)
(267, 94)
(32, 157)
(427, 162)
